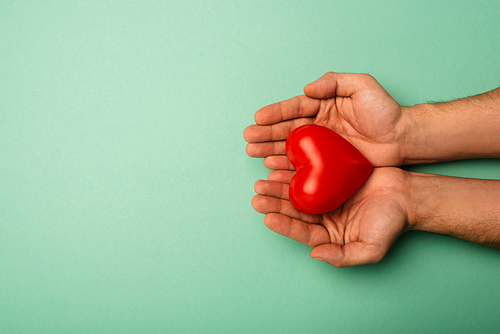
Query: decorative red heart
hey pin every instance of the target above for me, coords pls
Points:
(329, 169)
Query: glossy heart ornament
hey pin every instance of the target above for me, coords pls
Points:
(329, 169)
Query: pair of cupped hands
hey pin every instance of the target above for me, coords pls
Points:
(359, 109)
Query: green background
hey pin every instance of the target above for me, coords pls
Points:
(125, 188)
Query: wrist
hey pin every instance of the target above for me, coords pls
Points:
(407, 191)
(422, 197)
(418, 140)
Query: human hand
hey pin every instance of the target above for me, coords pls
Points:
(353, 105)
(360, 231)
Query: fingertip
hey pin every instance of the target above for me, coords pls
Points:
(309, 87)
(246, 136)
(256, 203)
(268, 115)
(314, 89)
(333, 254)
(278, 223)
(265, 204)
(248, 150)
(257, 117)
(273, 175)
(338, 84)
(254, 150)
(327, 253)
(261, 117)
(266, 162)
(259, 187)
(270, 220)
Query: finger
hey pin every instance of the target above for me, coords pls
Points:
(272, 188)
(338, 84)
(278, 162)
(284, 176)
(262, 150)
(351, 254)
(279, 131)
(297, 107)
(268, 204)
(308, 234)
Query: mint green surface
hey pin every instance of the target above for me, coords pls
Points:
(125, 188)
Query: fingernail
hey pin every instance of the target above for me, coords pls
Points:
(319, 259)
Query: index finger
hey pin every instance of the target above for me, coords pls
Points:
(296, 107)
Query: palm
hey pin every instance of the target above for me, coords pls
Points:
(369, 120)
(361, 111)
(360, 231)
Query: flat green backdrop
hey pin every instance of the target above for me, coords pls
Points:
(125, 188)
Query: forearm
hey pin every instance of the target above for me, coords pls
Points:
(461, 129)
(460, 207)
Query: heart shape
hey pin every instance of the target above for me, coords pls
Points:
(329, 169)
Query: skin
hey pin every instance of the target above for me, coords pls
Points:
(360, 231)
(462, 129)
(353, 105)
(391, 201)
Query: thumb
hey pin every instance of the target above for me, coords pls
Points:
(351, 254)
(337, 84)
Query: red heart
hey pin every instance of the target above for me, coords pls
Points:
(329, 169)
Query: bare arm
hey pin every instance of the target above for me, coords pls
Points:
(464, 208)
(461, 129)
